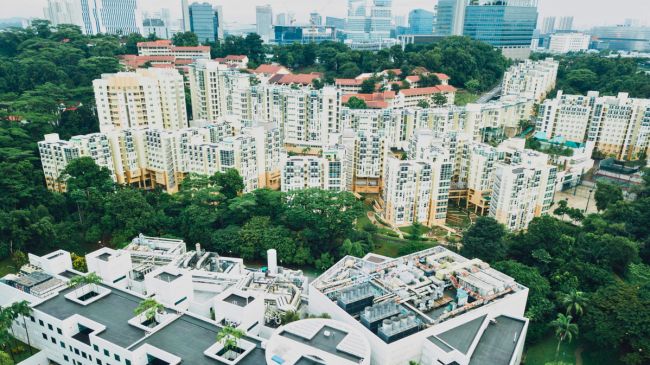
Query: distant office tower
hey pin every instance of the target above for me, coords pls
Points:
(264, 21)
(115, 16)
(63, 12)
(338, 23)
(568, 42)
(620, 38)
(548, 25)
(146, 98)
(204, 21)
(281, 19)
(218, 12)
(369, 20)
(450, 17)
(421, 21)
(315, 18)
(185, 10)
(400, 21)
(506, 25)
(565, 23)
(155, 26)
(97, 16)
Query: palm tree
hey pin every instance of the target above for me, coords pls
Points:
(23, 309)
(564, 330)
(5, 327)
(150, 307)
(229, 337)
(574, 302)
(5, 359)
(91, 279)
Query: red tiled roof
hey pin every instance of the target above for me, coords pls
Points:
(446, 88)
(269, 69)
(348, 82)
(302, 79)
(396, 71)
(441, 76)
(158, 43)
(233, 57)
(374, 100)
(427, 90)
(414, 78)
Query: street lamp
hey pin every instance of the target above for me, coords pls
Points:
(588, 198)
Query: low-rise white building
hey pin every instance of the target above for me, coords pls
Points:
(561, 43)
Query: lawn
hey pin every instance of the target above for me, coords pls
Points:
(464, 97)
(21, 351)
(544, 352)
(386, 247)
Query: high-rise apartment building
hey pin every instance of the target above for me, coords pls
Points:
(56, 154)
(146, 98)
(264, 22)
(618, 125)
(523, 187)
(417, 189)
(206, 22)
(421, 21)
(216, 90)
(530, 79)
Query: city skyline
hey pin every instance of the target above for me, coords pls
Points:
(243, 11)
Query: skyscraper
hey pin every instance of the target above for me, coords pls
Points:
(421, 21)
(281, 19)
(565, 24)
(450, 17)
(548, 25)
(508, 25)
(264, 21)
(369, 20)
(185, 9)
(315, 18)
(119, 16)
(63, 12)
(204, 21)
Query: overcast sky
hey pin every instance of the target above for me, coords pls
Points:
(586, 12)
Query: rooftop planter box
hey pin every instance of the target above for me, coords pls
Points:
(87, 294)
(230, 356)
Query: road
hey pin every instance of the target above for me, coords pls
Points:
(489, 95)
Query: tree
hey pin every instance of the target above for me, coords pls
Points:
(23, 309)
(574, 302)
(395, 87)
(182, 39)
(324, 262)
(473, 86)
(229, 337)
(5, 359)
(352, 248)
(485, 240)
(91, 280)
(564, 330)
(423, 104)
(150, 307)
(368, 86)
(607, 194)
(83, 174)
(231, 183)
(356, 103)
(439, 99)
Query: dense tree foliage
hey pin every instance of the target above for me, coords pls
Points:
(579, 73)
(469, 63)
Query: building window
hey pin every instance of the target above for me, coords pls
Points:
(58, 330)
(44, 336)
(128, 362)
(66, 358)
(96, 348)
(62, 344)
(117, 357)
(99, 362)
(41, 323)
(53, 340)
(49, 326)
(106, 353)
